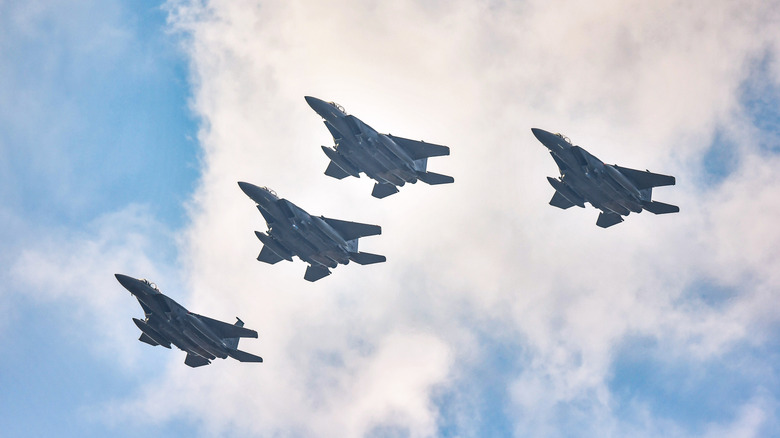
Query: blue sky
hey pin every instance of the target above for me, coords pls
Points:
(95, 117)
(124, 127)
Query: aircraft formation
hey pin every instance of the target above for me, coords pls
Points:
(324, 243)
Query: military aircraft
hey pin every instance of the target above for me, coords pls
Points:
(167, 322)
(615, 190)
(390, 161)
(319, 241)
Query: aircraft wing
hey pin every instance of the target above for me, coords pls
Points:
(352, 230)
(645, 179)
(420, 149)
(225, 330)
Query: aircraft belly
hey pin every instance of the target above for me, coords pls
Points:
(366, 163)
(182, 342)
(199, 346)
(589, 190)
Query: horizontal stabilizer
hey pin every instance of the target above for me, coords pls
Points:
(314, 273)
(606, 220)
(195, 361)
(145, 338)
(366, 258)
(225, 330)
(335, 171)
(646, 179)
(267, 255)
(352, 230)
(560, 201)
(656, 207)
(243, 356)
(434, 178)
(420, 149)
(383, 190)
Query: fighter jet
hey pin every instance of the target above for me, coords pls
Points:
(390, 161)
(615, 190)
(319, 241)
(167, 322)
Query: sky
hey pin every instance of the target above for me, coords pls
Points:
(125, 125)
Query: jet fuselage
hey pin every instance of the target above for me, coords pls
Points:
(296, 232)
(585, 178)
(365, 149)
(167, 322)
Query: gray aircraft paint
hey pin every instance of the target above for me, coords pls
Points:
(167, 323)
(388, 160)
(616, 191)
(319, 241)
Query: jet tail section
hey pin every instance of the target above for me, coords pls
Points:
(560, 201)
(233, 342)
(243, 356)
(434, 178)
(195, 361)
(366, 258)
(656, 207)
(606, 220)
(334, 171)
(314, 273)
(352, 230)
(646, 179)
(225, 330)
(420, 149)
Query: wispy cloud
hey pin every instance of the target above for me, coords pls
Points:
(484, 265)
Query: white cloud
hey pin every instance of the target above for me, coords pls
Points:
(73, 273)
(644, 85)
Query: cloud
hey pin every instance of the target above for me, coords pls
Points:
(70, 276)
(366, 350)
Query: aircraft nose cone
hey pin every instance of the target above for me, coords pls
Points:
(247, 188)
(539, 133)
(546, 138)
(127, 282)
(324, 109)
(258, 194)
(314, 103)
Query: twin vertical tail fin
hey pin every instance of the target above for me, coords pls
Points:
(233, 342)
(235, 353)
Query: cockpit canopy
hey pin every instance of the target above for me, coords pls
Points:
(565, 138)
(150, 284)
(271, 191)
(339, 107)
